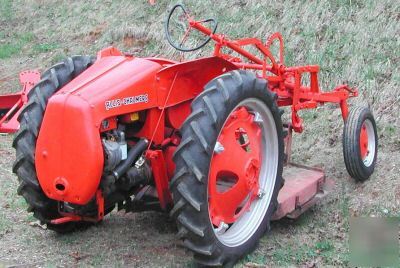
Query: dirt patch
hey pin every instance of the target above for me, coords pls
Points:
(130, 41)
(95, 34)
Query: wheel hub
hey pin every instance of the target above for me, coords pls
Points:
(252, 172)
(234, 171)
(364, 142)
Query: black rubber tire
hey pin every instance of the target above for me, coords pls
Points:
(189, 186)
(351, 143)
(24, 142)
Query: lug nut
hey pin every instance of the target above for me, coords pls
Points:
(257, 118)
(221, 228)
(260, 194)
(218, 148)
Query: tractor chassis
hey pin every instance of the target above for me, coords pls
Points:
(304, 186)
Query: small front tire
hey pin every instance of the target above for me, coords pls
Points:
(360, 143)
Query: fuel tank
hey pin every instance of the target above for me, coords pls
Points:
(69, 154)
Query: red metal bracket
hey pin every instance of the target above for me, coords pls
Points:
(288, 144)
(159, 168)
(108, 51)
(12, 103)
(68, 217)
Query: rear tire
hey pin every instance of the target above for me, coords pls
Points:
(360, 143)
(30, 119)
(193, 157)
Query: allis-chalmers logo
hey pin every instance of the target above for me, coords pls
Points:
(111, 104)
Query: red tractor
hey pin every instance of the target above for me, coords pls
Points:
(202, 139)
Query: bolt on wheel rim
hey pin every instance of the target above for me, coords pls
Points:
(367, 143)
(242, 172)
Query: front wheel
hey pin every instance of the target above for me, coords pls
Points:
(360, 143)
(228, 168)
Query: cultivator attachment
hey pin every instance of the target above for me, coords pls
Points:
(11, 104)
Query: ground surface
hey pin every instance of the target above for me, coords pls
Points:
(353, 41)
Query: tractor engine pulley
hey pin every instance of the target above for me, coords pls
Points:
(115, 150)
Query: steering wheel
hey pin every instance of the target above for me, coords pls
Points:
(187, 27)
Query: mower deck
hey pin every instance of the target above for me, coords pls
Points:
(304, 187)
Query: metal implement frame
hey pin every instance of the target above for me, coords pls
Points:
(286, 82)
(12, 103)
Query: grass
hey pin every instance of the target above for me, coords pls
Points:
(14, 44)
(353, 42)
(5, 224)
(45, 47)
(8, 50)
(6, 10)
(292, 254)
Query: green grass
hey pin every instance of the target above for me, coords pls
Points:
(8, 50)
(293, 254)
(5, 223)
(14, 43)
(58, 57)
(6, 10)
(24, 41)
(45, 47)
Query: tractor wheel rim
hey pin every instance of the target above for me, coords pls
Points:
(367, 143)
(253, 187)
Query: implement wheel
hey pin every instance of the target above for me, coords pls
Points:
(43, 208)
(360, 143)
(228, 168)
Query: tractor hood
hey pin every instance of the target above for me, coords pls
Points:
(69, 154)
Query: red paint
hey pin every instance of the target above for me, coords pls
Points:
(78, 159)
(13, 103)
(160, 176)
(177, 114)
(68, 217)
(238, 164)
(170, 164)
(302, 185)
(364, 142)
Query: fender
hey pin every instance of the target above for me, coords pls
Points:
(176, 85)
(186, 80)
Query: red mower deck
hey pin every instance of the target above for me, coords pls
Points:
(304, 187)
